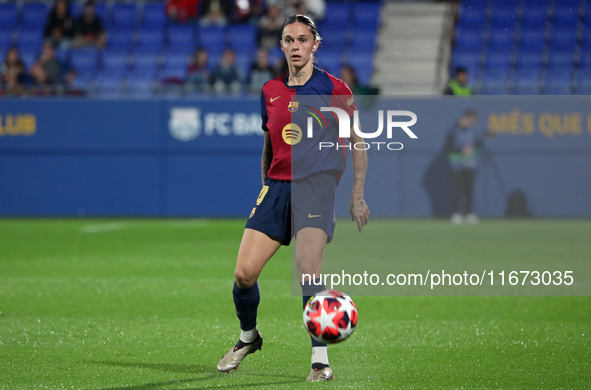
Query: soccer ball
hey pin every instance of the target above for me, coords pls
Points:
(330, 316)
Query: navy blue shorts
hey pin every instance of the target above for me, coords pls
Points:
(285, 207)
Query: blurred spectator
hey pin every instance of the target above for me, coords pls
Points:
(248, 10)
(198, 74)
(12, 72)
(59, 27)
(312, 8)
(458, 85)
(260, 71)
(89, 28)
(349, 76)
(315, 9)
(280, 67)
(269, 28)
(47, 70)
(462, 146)
(215, 12)
(181, 10)
(226, 75)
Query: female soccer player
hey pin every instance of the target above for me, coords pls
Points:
(299, 185)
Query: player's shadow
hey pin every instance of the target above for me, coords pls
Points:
(188, 369)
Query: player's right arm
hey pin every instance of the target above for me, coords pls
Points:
(267, 156)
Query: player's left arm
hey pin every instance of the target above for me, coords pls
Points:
(357, 206)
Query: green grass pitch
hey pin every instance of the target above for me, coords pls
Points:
(147, 304)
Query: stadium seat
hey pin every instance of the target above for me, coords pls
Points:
(526, 82)
(534, 18)
(500, 41)
(34, 15)
(114, 62)
(563, 39)
(154, 15)
(564, 16)
(332, 39)
(494, 90)
(176, 62)
(366, 13)
(29, 40)
(532, 41)
(554, 78)
(28, 57)
(468, 43)
(337, 13)
(7, 16)
(181, 37)
(211, 37)
(527, 60)
(560, 60)
(151, 39)
(140, 84)
(558, 90)
(124, 14)
(108, 84)
(494, 78)
(364, 42)
(242, 38)
(503, 17)
(466, 60)
(5, 42)
(582, 80)
(471, 16)
(498, 61)
(83, 81)
(84, 60)
(145, 63)
(243, 62)
(585, 60)
(330, 61)
(120, 39)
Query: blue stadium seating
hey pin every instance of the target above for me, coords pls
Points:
(7, 16)
(338, 13)
(366, 14)
(124, 14)
(468, 43)
(563, 39)
(472, 16)
(535, 18)
(181, 37)
(332, 39)
(154, 15)
(526, 60)
(84, 61)
(108, 84)
(503, 17)
(499, 61)
(242, 38)
(363, 64)
(585, 61)
(501, 41)
(151, 39)
(532, 41)
(114, 62)
(145, 63)
(330, 61)
(564, 16)
(140, 84)
(211, 37)
(560, 60)
(29, 40)
(119, 39)
(82, 81)
(364, 42)
(34, 15)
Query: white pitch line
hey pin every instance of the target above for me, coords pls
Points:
(104, 227)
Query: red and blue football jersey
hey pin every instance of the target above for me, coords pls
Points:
(298, 127)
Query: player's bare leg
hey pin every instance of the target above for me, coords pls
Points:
(255, 251)
(310, 244)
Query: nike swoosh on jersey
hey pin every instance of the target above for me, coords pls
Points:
(314, 216)
(273, 99)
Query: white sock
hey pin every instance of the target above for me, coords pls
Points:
(319, 355)
(248, 336)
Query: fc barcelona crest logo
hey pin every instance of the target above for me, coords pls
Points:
(293, 106)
